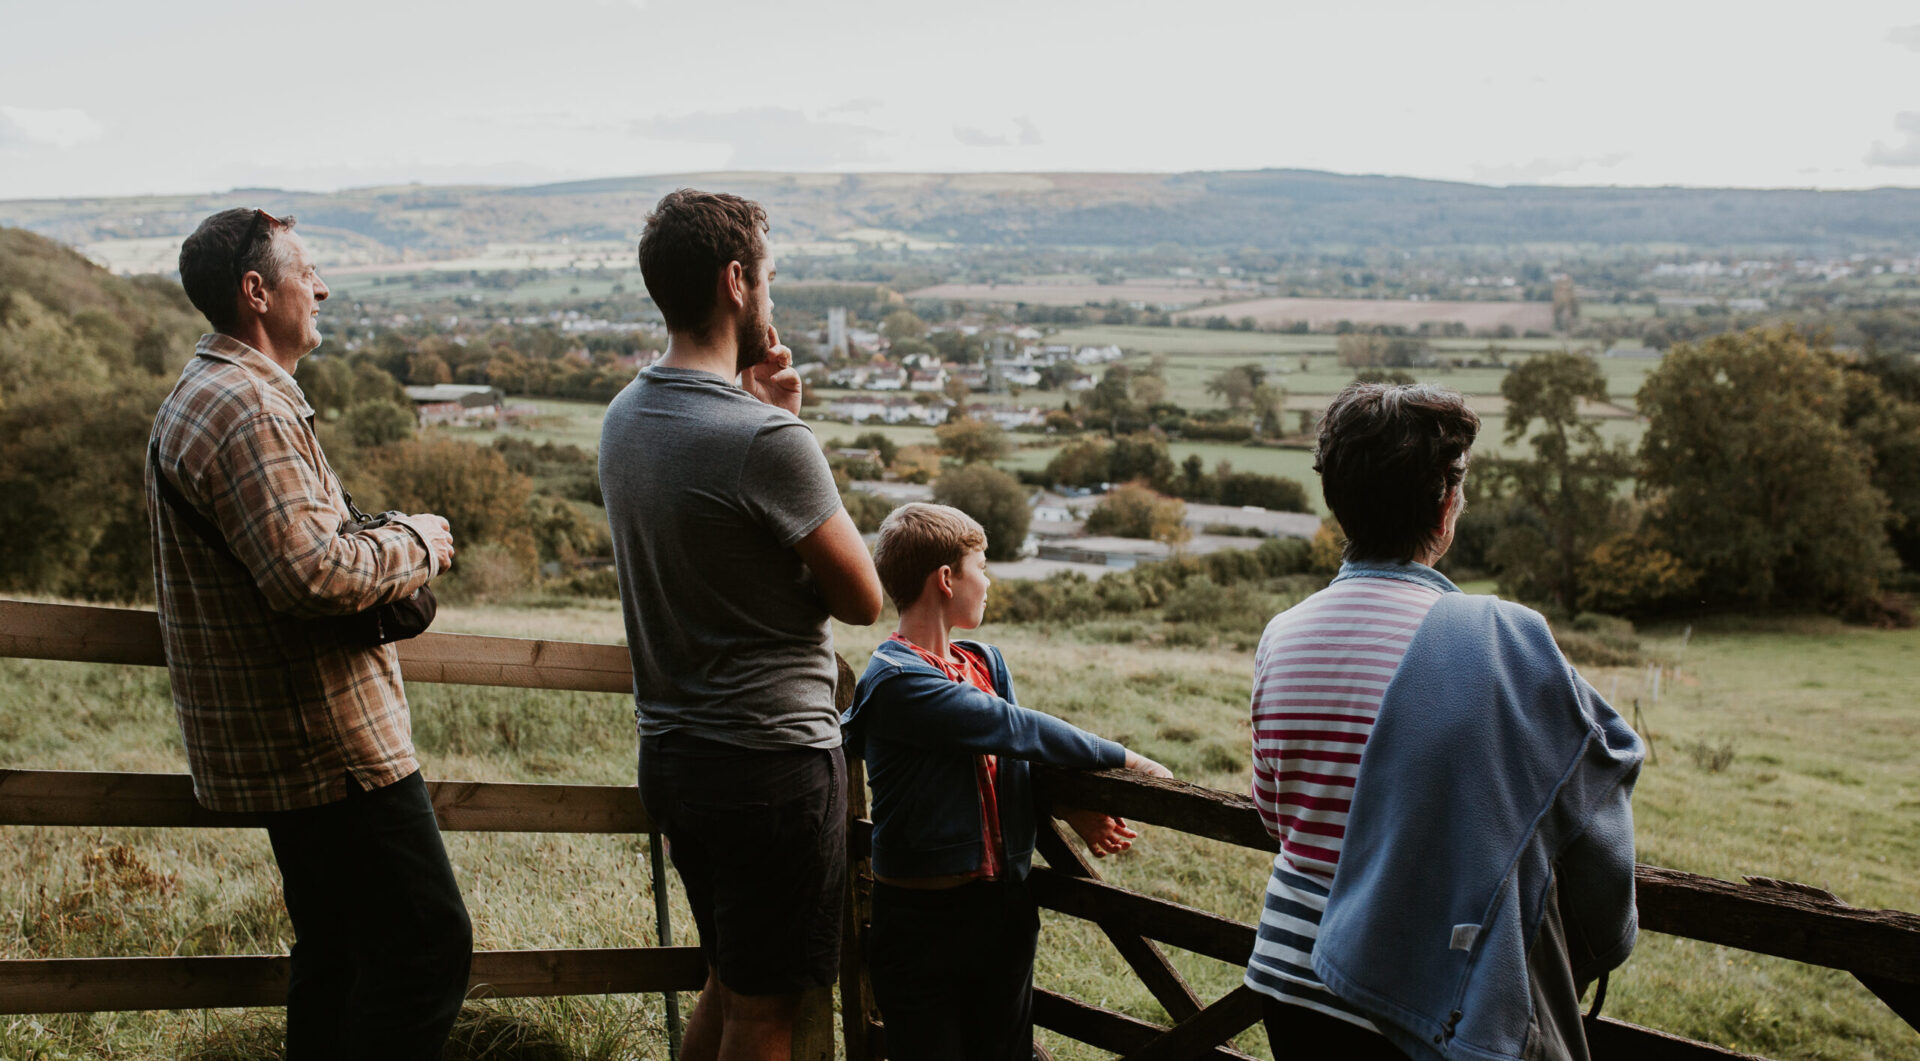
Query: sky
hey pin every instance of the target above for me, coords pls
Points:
(132, 97)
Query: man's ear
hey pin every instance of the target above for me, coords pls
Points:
(734, 276)
(253, 292)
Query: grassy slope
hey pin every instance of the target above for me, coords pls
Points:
(1822, 788)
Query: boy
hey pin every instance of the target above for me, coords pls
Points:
(947, 749)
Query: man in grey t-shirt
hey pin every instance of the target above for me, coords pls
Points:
(733, 553)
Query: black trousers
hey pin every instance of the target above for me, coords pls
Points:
(1298, 1032)
(953, 970)
(382, 945)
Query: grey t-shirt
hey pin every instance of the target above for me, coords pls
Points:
(707, 491)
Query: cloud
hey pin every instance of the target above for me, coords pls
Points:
(61, 127)
(1906, 154)
(1025, 134)
(771, 137)
(1906, 36)
(1542, 168)
(975, 138)
(863, 105)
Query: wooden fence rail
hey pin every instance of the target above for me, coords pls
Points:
(1880, 947)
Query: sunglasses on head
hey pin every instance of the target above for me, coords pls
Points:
(262, 222)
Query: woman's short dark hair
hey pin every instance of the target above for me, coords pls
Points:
(690, 237)
(1388, 456)
(207, 268)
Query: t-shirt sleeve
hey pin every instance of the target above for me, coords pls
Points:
(786, 483)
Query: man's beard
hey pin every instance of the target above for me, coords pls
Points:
(750, 342)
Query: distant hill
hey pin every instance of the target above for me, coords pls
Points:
(1267, 210)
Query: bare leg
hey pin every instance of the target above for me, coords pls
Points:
(701, 1041)
(758, 1027)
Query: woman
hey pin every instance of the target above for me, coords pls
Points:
(1450, 798)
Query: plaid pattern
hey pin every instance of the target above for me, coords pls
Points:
(276, 711)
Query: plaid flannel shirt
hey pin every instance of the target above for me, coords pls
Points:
(276, 711)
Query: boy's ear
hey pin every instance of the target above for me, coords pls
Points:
(945, 575)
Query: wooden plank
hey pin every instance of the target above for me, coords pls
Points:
(91, 985)
(1903, 999)
(1608, 1038)
(1106, 1029)
(87, 634)
(65, 797)
(1783, 922)
(1183, 926)
(857, 1008)
(1234, 1013)
(1179, 805)
(811, 1038)
(1141, 954)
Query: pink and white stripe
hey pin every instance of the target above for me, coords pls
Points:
(1320, 673)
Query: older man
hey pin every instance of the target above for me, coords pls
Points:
(733, 551)
(284, 710)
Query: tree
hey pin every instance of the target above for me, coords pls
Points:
(377, 422)
(878, 440)
(1566, 492)
(1083, 463)
(1235, 385)
(1134, 510)
(1883, 413)
(481, 498)
(968, 440)
(428, 369)
(956, 390)
(1142, 456)
(958, 346)
(1361, 350)
(75, 517)
(903, 324)
(1755, 481)
(994, 498)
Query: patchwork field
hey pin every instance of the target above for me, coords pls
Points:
(1327, 312)
(1151, 293)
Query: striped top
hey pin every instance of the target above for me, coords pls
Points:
(1318, 679)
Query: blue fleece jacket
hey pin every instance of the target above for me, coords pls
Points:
(919, 732)
(1492, 770)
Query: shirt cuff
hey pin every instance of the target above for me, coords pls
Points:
(433, 562)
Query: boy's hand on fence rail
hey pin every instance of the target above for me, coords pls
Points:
(1105, 834)
(1140, 764)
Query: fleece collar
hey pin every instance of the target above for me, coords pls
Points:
(1418, 574)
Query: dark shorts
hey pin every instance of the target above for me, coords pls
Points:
(760, 840)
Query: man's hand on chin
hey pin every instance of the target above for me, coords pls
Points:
(774, 381)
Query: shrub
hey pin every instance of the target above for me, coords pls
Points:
(994, 498)
(1136, 511)
(1634, 574)
(1274, 492)
(866, 509)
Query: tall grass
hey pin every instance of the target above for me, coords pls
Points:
(1823, 786)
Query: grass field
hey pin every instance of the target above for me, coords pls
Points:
(1820, 783)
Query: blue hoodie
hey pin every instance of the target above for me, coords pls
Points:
(1493, 773)
(920, 731)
